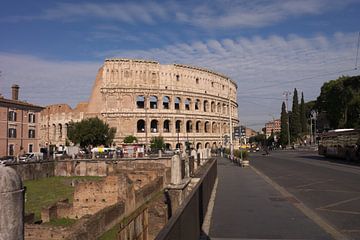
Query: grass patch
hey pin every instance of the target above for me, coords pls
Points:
(47, 191)
(62, 222)
(111, 234)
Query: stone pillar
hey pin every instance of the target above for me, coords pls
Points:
(11, 204)
(201, 156)
(160, 153)
(194, 154)
(187, 165)
(175, 169)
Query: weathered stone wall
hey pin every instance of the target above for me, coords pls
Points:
(32, 171)
(41, 232)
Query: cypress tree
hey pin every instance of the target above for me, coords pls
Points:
(295, 126)
(303, 119)
(284, 126)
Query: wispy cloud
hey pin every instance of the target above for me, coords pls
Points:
(45, 81)
(262, 67)
(207, 15)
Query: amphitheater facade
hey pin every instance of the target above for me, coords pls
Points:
(147, 99)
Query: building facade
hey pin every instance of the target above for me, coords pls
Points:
(146, 99)
(19, 125)
(272, 127)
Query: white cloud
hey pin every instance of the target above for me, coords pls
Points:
(262, 67)
(220, 14)
(44, 81)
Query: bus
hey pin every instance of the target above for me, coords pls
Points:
(341, 143)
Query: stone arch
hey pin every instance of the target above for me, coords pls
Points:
(177, 103)
(199, 145)
(168, 146)
(189, 126)
(154, 125)
(214, 127)
(206, 105)
(207, 126)
(219, 107)
(198, 126)
(140, 125)
(214, 145)
(197, 104)
(178, 125)
(224, 108)
(166, 125)
(60, 131)
(54, 131)
(207, 145)
(212, 106)
(153, 102)
(187, 103)
(140, 101)
(166, 102)
(179, 146)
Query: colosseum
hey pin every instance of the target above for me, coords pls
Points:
(147, 99)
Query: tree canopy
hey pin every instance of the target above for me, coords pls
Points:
(295, 126)
(130, 139)
(284, 126)
(157, 143)
(339, 101)
(90, 132)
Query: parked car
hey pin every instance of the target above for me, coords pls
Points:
(7, 160)
(31, 157)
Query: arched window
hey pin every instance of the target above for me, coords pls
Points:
(197, 104)
(214, 127)
(198, 126)
(212, 106)
(198, 146)
(154, 125)
(206, 106)
(140, 102)
(153, 102)
(166, 127)
(187, 103)
(141, 125)
(54, 131)
(178, 125)
(207, 145)
(166, 102)
(224, 108)
(219, 107)
(189, 126)
(177, 103)
(207, 127)
(60, 131)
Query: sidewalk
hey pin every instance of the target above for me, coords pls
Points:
(247, 207)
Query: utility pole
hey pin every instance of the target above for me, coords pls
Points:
(287, 94)
(230, 119)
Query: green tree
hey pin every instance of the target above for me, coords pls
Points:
(90, 132)
(303, 119)
(339, 102)
(284, 126)
(157, 143)
(130, 139)
(295, 125)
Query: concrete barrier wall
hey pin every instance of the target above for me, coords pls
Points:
(187, 221)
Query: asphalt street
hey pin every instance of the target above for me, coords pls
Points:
(248, 207)
(330, 188)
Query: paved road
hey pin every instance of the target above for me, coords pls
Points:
(248, 207)
(330, 188)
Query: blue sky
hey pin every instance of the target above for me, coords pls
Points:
(53, 49)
